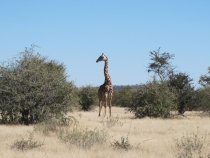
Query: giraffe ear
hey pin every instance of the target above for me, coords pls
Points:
(104, 56)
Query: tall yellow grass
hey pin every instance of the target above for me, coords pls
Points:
(150, 137)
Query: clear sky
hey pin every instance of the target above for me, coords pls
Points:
(77, 32)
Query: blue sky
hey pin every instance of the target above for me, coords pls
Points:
(76, 33)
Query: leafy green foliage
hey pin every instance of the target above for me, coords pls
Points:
(161, 65)
(203, 99)
(203, 95)
(123, 98)
(87, 97)
(182, 87)
(178, 83)
(205, 79)
(33, 88)
(154, 100)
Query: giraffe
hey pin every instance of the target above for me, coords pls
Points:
(105, 91)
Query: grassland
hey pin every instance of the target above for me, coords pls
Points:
(149, 137)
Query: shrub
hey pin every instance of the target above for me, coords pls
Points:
(26, 144)
(154, 100)
(87, 97)
(161, 65)
(204, 92)
(123, 98)
(53, 125)
(82, 137)
(33, 88)
(182, 85)
(193, 145)
(122, 144)
(112, 121)
(205, 79)
(202, 99)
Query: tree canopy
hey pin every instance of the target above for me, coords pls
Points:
(33, 88)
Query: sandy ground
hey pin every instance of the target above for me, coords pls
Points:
(149, 137)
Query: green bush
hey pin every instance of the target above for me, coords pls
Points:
(154, 100)
(33, 88)
(87, 97)
(202, 99)
(123, 98)
(204, 92)
(205, 79)
(181, 84)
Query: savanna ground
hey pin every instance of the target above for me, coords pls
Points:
(148, 137)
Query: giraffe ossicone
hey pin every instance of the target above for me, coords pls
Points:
(105, 91)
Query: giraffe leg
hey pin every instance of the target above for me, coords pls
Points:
(104, 110)
(110, 105)
(100, 107)
(105, 104)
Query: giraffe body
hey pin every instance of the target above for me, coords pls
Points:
(105, 91)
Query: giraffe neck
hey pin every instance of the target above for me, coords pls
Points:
(106, 74)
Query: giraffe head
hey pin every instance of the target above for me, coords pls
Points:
(102, 58)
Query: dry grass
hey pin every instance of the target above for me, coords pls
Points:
(149, 137)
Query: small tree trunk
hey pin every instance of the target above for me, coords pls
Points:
(25, 118)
